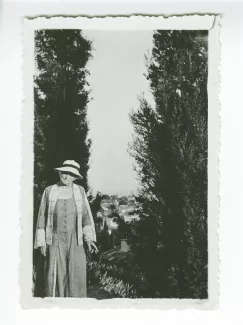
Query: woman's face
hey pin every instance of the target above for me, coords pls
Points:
(66, 178)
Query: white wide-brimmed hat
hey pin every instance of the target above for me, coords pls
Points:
(70, 166)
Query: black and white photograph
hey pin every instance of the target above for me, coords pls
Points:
(120, 184)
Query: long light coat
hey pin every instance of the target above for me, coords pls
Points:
(44, 227)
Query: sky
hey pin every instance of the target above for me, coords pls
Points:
(116, 79)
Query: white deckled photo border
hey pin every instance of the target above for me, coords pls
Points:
(189, 22)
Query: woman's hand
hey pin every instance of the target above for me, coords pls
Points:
(92, 247)
(43, 250)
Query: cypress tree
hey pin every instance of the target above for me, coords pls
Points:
(170, 151)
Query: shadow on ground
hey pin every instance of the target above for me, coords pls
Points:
(98, 293)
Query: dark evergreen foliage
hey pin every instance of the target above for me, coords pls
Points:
(61, 98)
(170, 150)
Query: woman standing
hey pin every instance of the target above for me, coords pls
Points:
(64, 221)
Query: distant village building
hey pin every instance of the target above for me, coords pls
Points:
(131, 198)
(124, 210)
(124, 246)
(105, 202)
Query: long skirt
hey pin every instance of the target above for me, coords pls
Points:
(65, 268)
